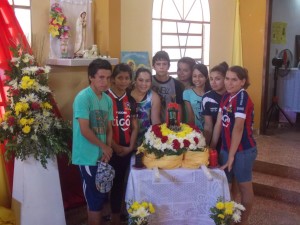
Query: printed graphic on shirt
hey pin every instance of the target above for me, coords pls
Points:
(98, 121)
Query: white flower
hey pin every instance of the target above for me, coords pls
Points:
(141, 212)
(239, 206)
(34, 137)
(236, 217)
(27, 57)
(15, 59)
(13, 83)
(47, 69)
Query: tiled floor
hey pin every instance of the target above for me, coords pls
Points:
(279, 146)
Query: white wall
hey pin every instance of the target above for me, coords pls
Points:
(286, 11)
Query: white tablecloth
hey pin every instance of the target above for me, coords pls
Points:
(180, 196)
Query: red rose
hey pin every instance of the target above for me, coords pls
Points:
(164, 139)
(186, 143)
(15, 92)
(156, 130)
(196, 140)
(176, 144)
(11, 121)
(35, 106)
(39, 71)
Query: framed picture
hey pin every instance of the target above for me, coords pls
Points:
(136, 60)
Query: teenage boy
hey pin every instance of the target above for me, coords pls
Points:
(169, 89)
(92, 134)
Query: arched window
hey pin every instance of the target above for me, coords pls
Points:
(23, 14)
(181, 28)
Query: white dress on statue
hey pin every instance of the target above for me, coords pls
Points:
(80, 38)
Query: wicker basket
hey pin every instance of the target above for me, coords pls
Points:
(194, 159)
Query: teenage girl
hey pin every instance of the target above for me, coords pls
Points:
(211, 100)
(234, 123)
(147, 100)
(125, 130)
(193, 97)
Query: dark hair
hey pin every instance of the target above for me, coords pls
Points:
(187, 60)
(141, 70)
(96, 65)
(221, 68)
(161, 55)
(121, 67)
(242, 73)
(203, 69)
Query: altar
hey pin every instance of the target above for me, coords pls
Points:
(180, 196)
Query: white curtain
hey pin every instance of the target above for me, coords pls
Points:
(72, 10)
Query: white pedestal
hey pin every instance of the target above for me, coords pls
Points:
(37, 197)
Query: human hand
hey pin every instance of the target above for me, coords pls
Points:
(123, 151)
(228, 164)
(107, 153)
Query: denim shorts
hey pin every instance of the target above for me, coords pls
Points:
(242, 165)
(95, 199)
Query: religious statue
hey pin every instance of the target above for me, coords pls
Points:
(173, 117)
(80, 38)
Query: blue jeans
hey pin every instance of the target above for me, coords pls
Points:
(242, 165)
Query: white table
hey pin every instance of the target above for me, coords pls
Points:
(180, 196)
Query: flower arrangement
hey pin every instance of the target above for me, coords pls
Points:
(30, 126)
(160, 140)
(223, 213)
(57, 23)
(139, 212)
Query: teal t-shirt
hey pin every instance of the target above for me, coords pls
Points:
(88, 106)
(196, 102)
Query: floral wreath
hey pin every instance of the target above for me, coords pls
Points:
(160, 140)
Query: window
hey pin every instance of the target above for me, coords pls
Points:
(23, 14)
(181, 28)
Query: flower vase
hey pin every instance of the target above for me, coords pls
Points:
(64, 47)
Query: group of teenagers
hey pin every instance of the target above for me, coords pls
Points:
(112, 114)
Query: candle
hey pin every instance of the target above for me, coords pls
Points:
(213, 158)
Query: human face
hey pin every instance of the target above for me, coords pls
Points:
(100, 81)
(198, 78)
(161, 67)
(121, 81)
(216, 80)
(233, 83)
(143, 82)
(184, 72)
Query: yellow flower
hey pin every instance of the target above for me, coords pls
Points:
(6, 115)
(220, 205)
(151, 208)
(23, 121)
(59, 20)
(228, 211)
(135, 206)
(26, 129)
(221, 216)
(229, 205)
(21, 107)
(46, 105)
(53, 30)
(145, 204)
(30, 121)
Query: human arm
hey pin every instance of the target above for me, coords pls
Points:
(190, 113)
(236, 138)
(208, 128)
(87, 132)
(216, 132)
(155, 108)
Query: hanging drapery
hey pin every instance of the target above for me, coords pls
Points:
(11, 36)
(237, 53)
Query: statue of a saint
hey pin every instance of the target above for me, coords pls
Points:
(80, 38)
